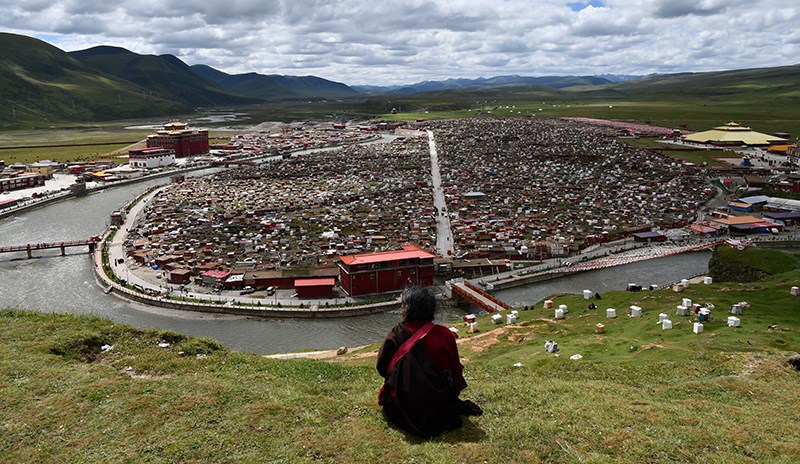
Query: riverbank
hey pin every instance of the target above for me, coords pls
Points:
(601, 258)
(115, 267)
(65, 195)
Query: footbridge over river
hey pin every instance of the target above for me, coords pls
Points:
(476, 296)
(30, 247)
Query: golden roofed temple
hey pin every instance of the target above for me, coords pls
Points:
(733, 134)
(178, 137)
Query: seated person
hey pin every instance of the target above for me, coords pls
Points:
(421, 387)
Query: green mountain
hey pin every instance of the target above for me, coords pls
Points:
(757, 84)
(41, 84)
(275, 87)
(163, 76)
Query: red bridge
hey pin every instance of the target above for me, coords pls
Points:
(91, 243)
(478, 297)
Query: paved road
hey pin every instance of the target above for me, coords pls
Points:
(444, 236)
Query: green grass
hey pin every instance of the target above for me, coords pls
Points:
(59, 154)
(764, 99)
(55, 143)
(640, 394)
(691, 115)
(764, 261)
(697, 156)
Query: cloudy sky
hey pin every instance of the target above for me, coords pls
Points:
(401, 42)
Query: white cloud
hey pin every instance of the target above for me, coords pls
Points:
(366, 42)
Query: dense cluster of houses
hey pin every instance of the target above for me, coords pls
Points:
(364, 215)
(20, 176)
(289, 218)
(547, 187)
(293, 137)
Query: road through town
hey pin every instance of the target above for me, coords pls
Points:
(444, 236)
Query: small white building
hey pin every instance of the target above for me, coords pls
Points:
(126, 172)
(149, 158)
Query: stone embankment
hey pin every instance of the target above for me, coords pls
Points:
(228, 308)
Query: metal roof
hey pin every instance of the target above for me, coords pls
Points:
(755, 199)
(784, 203)
(328, 281)
(408, 252)
(733, 133)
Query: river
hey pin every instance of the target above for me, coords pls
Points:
(52, 283)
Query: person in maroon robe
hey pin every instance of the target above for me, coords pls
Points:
(420, 391)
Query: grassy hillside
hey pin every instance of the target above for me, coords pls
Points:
(276, 87)
(732, 264)
(640, 393)
(759, 84)
(42, 85)
(165, 76)
(764, 99)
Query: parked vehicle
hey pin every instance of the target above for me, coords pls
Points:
(247, 290)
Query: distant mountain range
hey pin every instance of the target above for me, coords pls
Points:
(553, 82)
(276, 87)
(43, 85)
(165, 76)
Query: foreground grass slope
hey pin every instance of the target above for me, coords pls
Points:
(640, 394)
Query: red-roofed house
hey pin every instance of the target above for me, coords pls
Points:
(315, 288)
(214, 277)
(389, 271)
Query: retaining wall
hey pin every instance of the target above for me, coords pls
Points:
(250, 311)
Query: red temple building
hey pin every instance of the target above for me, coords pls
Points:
(388, 271)
(177, 137)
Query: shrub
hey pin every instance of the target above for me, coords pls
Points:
(202, 345)
(171, 336)
(84, 347)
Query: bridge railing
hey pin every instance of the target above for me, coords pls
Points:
(46, 246)
(487, 295)
(472, 299)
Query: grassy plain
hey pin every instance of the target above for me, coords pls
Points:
(61, 144)
(78, 145)
(697, 156)
(690, 115)
(762, 99)
(640, 393)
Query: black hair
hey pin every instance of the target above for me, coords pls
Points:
(420, 303)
